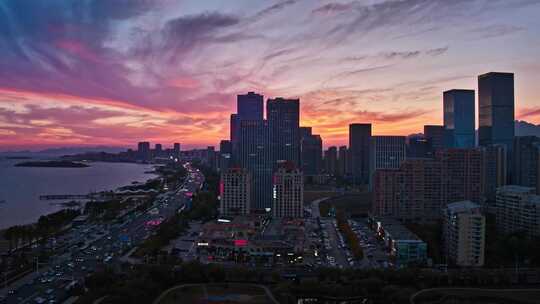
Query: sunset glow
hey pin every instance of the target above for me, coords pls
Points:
(117, 72)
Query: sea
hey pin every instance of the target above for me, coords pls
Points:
(20, 187)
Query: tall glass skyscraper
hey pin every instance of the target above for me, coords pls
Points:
(284, 122)
(359, 143)
(459, 116)
(496, 109)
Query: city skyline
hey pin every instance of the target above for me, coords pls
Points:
(102, 74)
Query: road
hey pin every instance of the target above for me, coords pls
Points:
(104, 244)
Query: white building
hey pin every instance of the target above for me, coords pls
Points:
(464, 233)
(518, 209)
(235, 192)
(288, 192)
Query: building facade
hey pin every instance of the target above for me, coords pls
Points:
(464, 234)
(235, 191)
(526, 162)
(435, 134)
(284, 122)
(359, 152)
(518, 210)
(331, 160)
(387, 152)
(459, 116)
(310, 152)
(496, 109)
(288, 192)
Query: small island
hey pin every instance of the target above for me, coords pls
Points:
(52, 164)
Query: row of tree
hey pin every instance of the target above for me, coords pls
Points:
(46, 226)
(350, 236)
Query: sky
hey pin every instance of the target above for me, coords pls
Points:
(115, 72)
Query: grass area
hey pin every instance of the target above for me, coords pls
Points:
(217, 293)
(354, 204)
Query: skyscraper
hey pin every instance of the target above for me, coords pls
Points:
(496, 109)
(235, 191)
(330, 160)
(342, 161)
(143, 151)
(311, 153)
(387, 152)
(254, 155)
(359, 149)
(158, 150)
(459, 118)
(436, 134)
(288, 191)
(250, 106)
(284, 123)
(225, 151)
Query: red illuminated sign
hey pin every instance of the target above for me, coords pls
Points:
(240, 243)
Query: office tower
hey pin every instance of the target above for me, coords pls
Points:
(288, 191)
(459, 117)
(225, 152)
(176, 149)
(305, 132)
(359, 143)
(518, 210)
(526, 162)
(330, 160)
(464, 234)
(412, 192)
(158, 150)
(254, 155)
(436, 134)
(235, 191)
(462, 174)
(311, 154)
(143, 151)
(284, 123)
(250, 106)
(419, 147)
(387, 152)
(342, 161)
(495, 168)
(496, 109)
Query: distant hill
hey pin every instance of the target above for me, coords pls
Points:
(523, 128)
(56, 152)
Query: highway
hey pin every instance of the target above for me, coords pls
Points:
(104, 244)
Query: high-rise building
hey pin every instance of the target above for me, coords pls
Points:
(225, 154)
(176, 149)
(284, 123)
(311, 153)
(526, 162)
(495, 168)
(235, 191)
(518, 210)
(464, 234)
(421, 187)
(436, 134)
(342, 161)
(462, 174)
(459, 118)
(288, 192)
(158, 150)
(359, 150)
(419, 147)
(496, 109)
(330, 160)
(143, 151)
(254, 155)
(387, 152)
(250, 106)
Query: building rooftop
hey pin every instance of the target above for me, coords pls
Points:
(396, 230)
(518, 189)
(462, 206)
